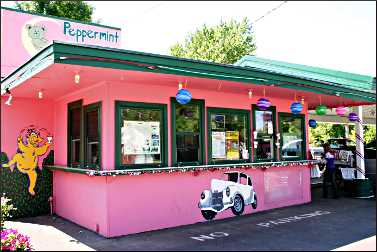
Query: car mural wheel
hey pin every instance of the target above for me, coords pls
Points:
(208, 215)
(238, 206)
(255, 203)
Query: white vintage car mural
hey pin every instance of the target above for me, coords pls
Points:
(236, 192)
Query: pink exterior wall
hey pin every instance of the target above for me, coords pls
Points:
(82, 200)
(22, 113)
(150, 202)
(17, 46)
(130, 204)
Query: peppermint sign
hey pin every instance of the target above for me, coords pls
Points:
(82, 34)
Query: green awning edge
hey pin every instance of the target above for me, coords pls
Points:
(70, 53)
(346, 79)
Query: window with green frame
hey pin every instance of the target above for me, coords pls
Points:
(74, 133)
(187, 132)
(84, 135)
(292, 136)
(228, 135)
(92, 135)
(141, 135)
(264, 127)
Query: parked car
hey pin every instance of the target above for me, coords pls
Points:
(236, 192)
(292, 149)
(342, 144)
(317, 152)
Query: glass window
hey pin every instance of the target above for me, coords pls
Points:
(141, 136)
(292, 136)
(84, 135)
(187, 132)
(228, 135)
(232, 176)
(243, 179)
(74, 134)
(92, 136)
(264, 133)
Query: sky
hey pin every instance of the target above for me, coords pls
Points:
(336, 35)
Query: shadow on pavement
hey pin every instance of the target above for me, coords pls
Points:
(350, 220)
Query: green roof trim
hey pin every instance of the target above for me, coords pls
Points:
(96, 56)
(61, 18)
(345, 79)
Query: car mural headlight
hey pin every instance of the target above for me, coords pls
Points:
(202, 196)
(227, 191)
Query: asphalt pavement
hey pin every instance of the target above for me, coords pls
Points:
(323, 224)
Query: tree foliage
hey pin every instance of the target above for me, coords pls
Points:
(77, 10)
(224, 43)
(324, 131)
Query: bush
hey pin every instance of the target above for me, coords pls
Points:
(12, 240)
(6, 209)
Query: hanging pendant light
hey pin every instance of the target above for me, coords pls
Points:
(321, 110)
(341, 111)
(353, 117)
(40, 94)
(183, 96)
(263, 103)
(312, 123)
(296, 107)
(250, 93)
(77, 78)
(10, 97)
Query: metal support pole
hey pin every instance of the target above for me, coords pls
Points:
(360, 163)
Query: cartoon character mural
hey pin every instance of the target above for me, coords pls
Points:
(34, 144)
(235, 192)
(37, 34)
(34, 34)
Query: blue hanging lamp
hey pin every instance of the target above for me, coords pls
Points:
(312, 123)
(183, 96)
(296, 107)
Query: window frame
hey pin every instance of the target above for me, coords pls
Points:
(119, 105)
(202, 156)
(213, 110)
(70, 106)
(88, 108)
(83, 110)
(254, 107)
(303, 125)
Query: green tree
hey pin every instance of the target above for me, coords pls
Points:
(324, 131)
(319, 134)
(369, 133)
(224, 43)
(77, 10)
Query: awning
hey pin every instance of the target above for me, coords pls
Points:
(333, 91)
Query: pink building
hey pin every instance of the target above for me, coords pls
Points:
(133, 152)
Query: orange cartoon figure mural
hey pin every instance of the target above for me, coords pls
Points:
(31, 154)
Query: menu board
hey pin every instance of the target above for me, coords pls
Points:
(140, 137)
(218, 144)
(232, 145)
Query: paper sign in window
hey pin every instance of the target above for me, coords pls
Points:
(232, 145)
(140, 137)
(218, 145)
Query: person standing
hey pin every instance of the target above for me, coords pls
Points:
(329, 173)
